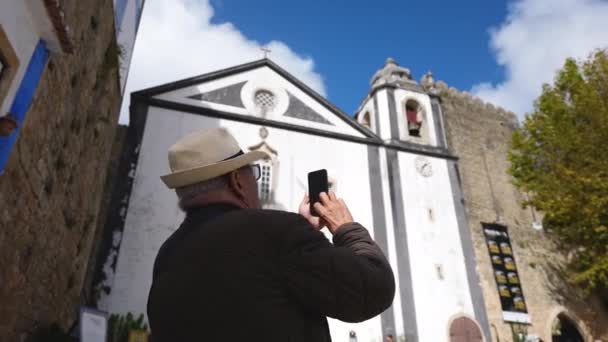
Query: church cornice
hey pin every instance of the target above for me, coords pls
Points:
(407, 86)
(411, 87)
(372, 140)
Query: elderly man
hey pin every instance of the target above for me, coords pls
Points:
(233, 271)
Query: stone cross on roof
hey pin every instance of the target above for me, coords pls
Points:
(266, 51)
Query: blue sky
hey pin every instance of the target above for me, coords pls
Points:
(350, 40)
(501, 50)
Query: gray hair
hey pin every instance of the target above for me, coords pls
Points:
(188, 193)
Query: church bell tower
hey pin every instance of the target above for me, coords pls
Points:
(399, 109)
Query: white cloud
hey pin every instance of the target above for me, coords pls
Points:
(177, 40)
(534, 42)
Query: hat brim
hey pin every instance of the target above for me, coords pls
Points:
(203, 173)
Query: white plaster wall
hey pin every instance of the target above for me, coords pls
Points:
(44, 25)
(433, 242)
(126, 35)
(384, 115)
(401, 97)
(153, 214)
(151, 217)
(262, 78)
(20, 28)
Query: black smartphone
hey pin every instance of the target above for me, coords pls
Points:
(317, 183)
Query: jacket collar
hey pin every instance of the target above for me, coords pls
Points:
(197, 216)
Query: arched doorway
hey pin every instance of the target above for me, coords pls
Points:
(564, 329)
(464, 329)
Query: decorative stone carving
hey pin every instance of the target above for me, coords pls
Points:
(428, 83)
(392, 73)
(263, 133)
(300, 110)
(427, 80)
(229, 95)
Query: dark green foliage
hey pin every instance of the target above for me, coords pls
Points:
(120, 325)
(52, 333)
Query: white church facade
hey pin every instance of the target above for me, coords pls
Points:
(391, 164)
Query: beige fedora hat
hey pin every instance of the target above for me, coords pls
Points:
(206, 154)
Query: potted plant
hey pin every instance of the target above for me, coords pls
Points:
(7, 125)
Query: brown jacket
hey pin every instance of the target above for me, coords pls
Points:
(262, 275)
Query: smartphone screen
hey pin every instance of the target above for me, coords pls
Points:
(317, 183)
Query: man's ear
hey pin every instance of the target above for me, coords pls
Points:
(235, 181)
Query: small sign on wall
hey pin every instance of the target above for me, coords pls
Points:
(507, 278)
(93, 325)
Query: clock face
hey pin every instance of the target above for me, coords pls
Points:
(424, 166)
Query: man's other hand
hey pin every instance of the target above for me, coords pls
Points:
(333, 211)
(304, 210)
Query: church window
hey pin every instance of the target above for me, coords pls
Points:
(265, 181)
(265, 100)
(413, 117)
(365, 120)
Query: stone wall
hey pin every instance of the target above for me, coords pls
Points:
(103, 235)
(479, 134)
(51, 188)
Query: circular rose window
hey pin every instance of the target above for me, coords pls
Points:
(264, 100)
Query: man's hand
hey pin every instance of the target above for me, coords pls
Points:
(304, 210)
(333, 211)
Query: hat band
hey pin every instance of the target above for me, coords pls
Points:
(239, 153)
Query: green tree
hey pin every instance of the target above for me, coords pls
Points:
(560, 157)
(119, 326)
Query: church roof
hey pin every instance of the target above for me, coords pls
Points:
(153, 91)
(140, 101)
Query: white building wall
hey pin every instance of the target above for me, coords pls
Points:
(383, 115)
(433, 242)
(19, 26)
(44, 25)
(151, 217)
(125, 36)
(25, 22)
(153, 214)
